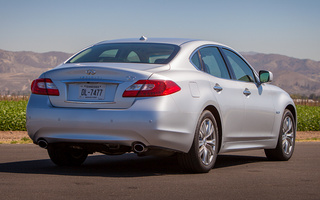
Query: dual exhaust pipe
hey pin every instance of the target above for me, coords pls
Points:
(43, 144)
(137, 147)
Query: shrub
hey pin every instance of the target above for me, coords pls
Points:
(13, 115)
(308, 118)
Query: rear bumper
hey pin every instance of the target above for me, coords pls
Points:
(152, 121)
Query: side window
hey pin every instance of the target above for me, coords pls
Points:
(241, 70)
(196, 61)
(213, 62)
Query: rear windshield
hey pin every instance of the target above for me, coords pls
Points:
(127, 53)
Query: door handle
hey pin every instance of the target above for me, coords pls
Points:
(217, 88)
(246, 92)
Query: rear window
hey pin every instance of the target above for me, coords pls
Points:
(127, 53)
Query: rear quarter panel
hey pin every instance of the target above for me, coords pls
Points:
(194, 97)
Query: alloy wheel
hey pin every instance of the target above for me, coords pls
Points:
(206, 141)
(287, 135)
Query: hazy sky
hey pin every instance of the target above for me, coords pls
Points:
(288, 27)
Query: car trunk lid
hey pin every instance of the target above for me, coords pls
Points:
(98, 85)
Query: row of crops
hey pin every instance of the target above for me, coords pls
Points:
(13, 116)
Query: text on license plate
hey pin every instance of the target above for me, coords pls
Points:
(92, 91)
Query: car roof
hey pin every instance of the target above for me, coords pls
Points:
(143, 39)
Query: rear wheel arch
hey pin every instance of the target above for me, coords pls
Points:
(216, 114)
(203, 153)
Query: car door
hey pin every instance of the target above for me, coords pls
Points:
(226, 91)
(259, 108)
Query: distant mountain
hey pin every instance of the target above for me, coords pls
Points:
(250, 53)
(296, 76)
(19, 69)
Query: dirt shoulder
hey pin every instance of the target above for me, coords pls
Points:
(312, 136)
(7, 137)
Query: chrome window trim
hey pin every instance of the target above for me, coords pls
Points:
(211, 45)
(257, 80)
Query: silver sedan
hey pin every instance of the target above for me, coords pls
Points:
(166, 96)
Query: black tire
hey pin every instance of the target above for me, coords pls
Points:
(203, 153)
(62, 155)
(286, 140)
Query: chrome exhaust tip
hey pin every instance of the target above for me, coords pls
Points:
(139, 147)
(43, 144)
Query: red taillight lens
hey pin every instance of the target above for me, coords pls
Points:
(151, 88)
(44, 86)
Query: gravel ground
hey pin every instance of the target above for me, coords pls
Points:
(9, 136)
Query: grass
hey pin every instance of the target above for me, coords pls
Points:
(23, 140)
(13, 115)
(308, 118)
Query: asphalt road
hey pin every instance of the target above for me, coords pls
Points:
(27, 173)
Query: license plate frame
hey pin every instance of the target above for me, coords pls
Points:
(92, 91)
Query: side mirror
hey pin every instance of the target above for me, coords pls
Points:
(265, 76)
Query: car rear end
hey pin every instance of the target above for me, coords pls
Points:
(106, 99)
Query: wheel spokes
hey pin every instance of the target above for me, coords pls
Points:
(205, 155)
(287, 135)
(209, 129)
(287, 126)
(206, 141)
(212, 145)
(203, 130)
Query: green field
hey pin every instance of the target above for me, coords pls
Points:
(13, 116)
(308, 118)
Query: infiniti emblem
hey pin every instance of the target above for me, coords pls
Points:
(91, 72)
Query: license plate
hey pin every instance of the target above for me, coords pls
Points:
(92, 91)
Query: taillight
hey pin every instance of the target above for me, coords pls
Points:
(44, 86)
(149, 88)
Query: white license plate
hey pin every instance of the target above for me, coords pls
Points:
(92, 91)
